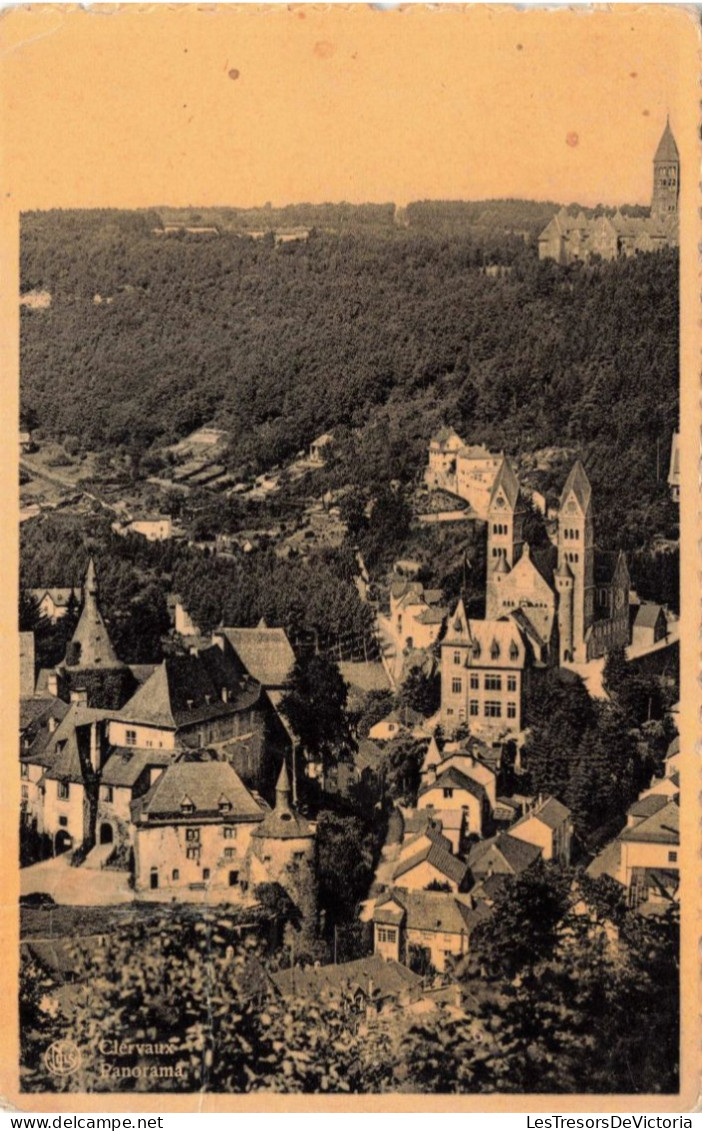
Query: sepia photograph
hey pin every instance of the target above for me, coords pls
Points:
(351, 494)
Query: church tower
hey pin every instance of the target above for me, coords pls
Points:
(666, 178)
(505, 533)
(576, 550)
(563, 580)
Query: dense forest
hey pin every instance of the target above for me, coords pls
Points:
(377, 331)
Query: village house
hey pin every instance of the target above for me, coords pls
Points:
(193, 831)
(416, 614)
(404, 720)
(428, 859)
(39, 720)
(181, 621)
(369, 985)
(425, 929)
(644, 857)
(502, 855)
(155, 528)
(549, 826)
(650, 625)
(55, 602)
(451, 790)
(207, 699)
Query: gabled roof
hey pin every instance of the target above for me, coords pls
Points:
(60, 595)
(435, 911)
(551, 813)
(579, 484)
(517, 854)
(662, 827)
(368, 756)
(434, 853)
(265, 652)
(445, 436)
(454, 779)
(492, 643)
(506, 482)
(34, 727)
(126, 764)
(186, 690)
(667, 148)
(374, 973)
(648, 805)
(203, 785)
(647, 615)
(432, 616)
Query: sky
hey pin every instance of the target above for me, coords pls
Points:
(199, 105)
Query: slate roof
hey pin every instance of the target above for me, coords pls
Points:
(551, 813)
(365, 675)
(186, 690)
(266, 653)
(454, 779)
(389, 978)
(435, 854)
(96, 650)
(444, 435)
(648, 805)
(507, 481)
(125, 764)
(34, 727)
(517, 854)
(667, 148)
(647, 615)
(579, 484)
(482, 636)
(205, 785)
(432, 616)
(61, 750)
(430, 911)
(662, 827)
(368, 756)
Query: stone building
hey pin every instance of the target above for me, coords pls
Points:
(567, 238)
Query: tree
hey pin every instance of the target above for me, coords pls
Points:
(404, 757)
(315, 707)
(421, 691)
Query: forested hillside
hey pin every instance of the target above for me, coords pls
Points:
(379, 332)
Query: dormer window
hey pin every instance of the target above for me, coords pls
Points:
(495, 650)
(476, 649)
(186, 805)
(513, 651)
(225, 805)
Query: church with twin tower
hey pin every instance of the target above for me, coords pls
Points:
(571, 601)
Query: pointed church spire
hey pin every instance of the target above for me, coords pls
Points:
(90, 646)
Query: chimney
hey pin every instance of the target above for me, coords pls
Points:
(52, 684)
(218, 639)
(225, 694)
(79, 695)
(53, 723)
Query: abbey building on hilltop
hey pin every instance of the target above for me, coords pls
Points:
(568, 238)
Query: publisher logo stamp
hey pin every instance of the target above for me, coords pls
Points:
(63, 1058)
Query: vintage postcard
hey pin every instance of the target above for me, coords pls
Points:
(350, 595)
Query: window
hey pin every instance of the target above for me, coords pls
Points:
(474, 707)
(495, 650)
(298, 857)
(175, 875)
(672, 857)
(511, 710)
(511, 683)
(130, 737)
(229, 853)
(456, 685)
(62, 791)
(63, 822)
(24, 771)
(205, 873)
(449, 710)
(193, 852)
(493, 683)
(514, 650)
(192, 834)
(108, 793)
(229, 832)
(456, 657)
(474, 681)
(493, 709)
(387, 934)
(448, 793)
(25, 793)
(233, 879)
